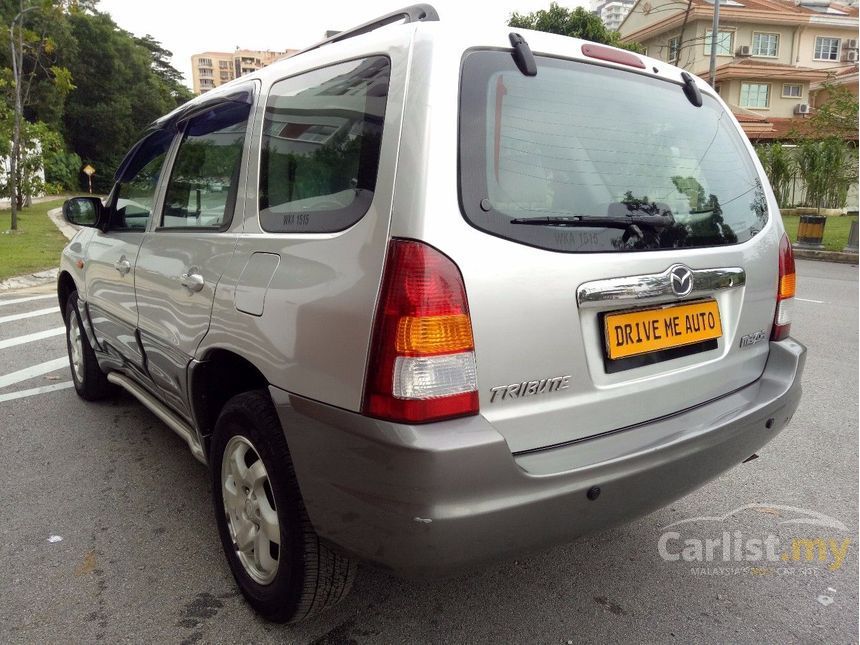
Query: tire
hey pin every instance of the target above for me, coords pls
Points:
(307, 576)
(91, 383)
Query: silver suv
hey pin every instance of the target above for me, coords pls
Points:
(425, 296)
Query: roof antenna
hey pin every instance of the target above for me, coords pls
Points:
(522, 54)
(691, 90)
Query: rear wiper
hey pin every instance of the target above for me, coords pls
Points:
(575, 221)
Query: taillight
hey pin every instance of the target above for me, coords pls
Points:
(422, 356)
(785, 291)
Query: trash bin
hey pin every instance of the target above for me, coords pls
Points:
(810, 232)
(851, 247)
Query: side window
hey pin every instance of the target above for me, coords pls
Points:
(135, 195)
(202, 189)
(321, 141)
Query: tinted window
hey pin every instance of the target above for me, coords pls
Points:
(135, 194)
(321, 142)
(203, 183)
(601, 151)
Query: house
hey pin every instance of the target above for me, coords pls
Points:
(773, 56)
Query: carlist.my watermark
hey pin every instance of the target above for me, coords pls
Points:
(816, 543)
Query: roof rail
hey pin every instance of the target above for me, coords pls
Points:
(413, 13)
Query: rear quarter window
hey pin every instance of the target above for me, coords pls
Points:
(586, 158)
(322, 136)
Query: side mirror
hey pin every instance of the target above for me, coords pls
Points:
(83, 211)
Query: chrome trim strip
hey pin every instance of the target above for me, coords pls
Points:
(637, 288)
(178, 426)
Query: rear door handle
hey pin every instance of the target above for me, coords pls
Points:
(192, 280)
(122, 265)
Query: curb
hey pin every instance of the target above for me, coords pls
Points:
(69, 230)
(825, 256)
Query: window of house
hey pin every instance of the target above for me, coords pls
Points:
(201, 192)
(322, 138)
(725, 41)
(765, 44)
(826, 48)
(755, 95)
(674, 50)
(792, 90)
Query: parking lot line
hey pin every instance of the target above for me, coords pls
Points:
(35, 390)
(29, 314)
(817, 302)
(34, 370)
(29, 338)
(16, 301)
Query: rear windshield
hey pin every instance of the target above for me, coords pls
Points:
(584, 158)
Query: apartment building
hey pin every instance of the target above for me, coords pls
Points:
(772, 56)
(211, 69)
(614, 12)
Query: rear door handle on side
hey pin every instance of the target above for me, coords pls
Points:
(192, 280)
(122, 265)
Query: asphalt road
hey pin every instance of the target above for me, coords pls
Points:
(138, 558)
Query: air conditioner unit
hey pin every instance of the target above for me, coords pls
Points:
(801, 108)
(849, 43)
(850, 56)
(744, 50)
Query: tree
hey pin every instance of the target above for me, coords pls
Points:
(162, 68)
(827, 168)
(122, 87)
(837, 116)
(577, 23)
(780, 167)
(30, 50)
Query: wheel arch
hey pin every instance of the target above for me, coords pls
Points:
(213, 380)
(65, 287)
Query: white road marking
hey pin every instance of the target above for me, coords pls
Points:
(15, 301)
(817, 302)
(34, 370)
(35, 390)
(29, 314)
(29, 338)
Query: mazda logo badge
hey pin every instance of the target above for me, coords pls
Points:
(682, 280)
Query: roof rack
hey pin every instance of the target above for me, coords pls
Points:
(413, 13)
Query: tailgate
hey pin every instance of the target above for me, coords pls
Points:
(620, 248)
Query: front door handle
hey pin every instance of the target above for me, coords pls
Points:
(192, 280)
(122, 265)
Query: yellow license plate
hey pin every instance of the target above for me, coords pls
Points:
(650, 330)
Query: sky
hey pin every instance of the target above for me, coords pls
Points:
(187, 27)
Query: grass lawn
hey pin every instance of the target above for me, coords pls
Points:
(835, 230)
(37, 243)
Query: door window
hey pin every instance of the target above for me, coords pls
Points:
(202, 189)
(135, 194)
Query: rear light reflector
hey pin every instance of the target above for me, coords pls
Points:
(434, 334)
(429, 377)
(785, 291)
(422, 356)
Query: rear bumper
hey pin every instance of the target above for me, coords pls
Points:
(439, 497)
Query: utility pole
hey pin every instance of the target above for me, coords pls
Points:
(715, 36)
